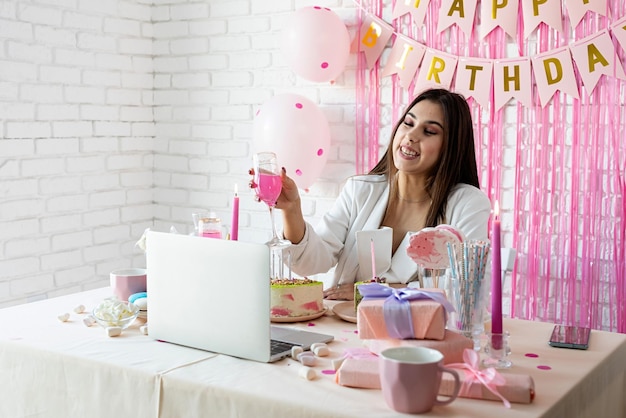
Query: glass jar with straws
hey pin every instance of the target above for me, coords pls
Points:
(468, 287)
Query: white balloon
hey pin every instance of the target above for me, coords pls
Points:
(295, 129)
(316, 44)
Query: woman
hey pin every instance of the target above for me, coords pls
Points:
(427, 176)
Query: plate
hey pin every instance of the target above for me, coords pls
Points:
(345, 311)
(298, 318)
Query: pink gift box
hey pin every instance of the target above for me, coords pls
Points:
(428, 318)
(359, 373)
(452, 345)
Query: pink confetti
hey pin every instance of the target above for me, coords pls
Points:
(310, 324)
(328, 371)
(298, 172)
(320, 152)
(299, 105)
(533, 355)
(324, 65)
(543, 367)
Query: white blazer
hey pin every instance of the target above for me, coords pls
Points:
(361, 206)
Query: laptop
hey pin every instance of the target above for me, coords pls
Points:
(214, 295)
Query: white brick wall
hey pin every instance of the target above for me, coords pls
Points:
(120, 115)
(75, 79)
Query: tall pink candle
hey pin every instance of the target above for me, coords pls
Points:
(234, 225)
(496, 275)
(373, 259)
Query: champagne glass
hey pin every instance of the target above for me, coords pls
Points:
(268, 187)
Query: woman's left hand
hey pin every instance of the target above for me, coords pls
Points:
(344, 291)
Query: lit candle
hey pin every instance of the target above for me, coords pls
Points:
(496, 278)
(234, 225)
(373, 259)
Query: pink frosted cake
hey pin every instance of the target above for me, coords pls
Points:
(297, 297)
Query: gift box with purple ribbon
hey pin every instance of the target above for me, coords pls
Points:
(386, 312)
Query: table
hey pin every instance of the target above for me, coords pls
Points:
(53, 369)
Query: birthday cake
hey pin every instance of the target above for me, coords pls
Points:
(297, 297)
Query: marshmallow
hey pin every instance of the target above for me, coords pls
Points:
(307, 358)
(144, 329)
(307, 373)
(314, 345)
(89, 321)
(113, 331)
(321, 351)
(63, 317)
(79, 309)
(141, 303)
(295, 350)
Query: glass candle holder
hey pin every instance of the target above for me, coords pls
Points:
(498, 351)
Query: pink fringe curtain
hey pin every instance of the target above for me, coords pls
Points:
(558, 171)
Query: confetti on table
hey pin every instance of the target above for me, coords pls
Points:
(533, 355)
(543, 367)
(328, 371)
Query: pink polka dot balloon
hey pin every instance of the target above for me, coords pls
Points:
(316, 44)
(295, 129)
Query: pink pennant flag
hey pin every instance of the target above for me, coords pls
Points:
(473, 79)
(372, 38)
(498, 13)
(546, 11)
(437, 70)
(576, 9)
(417, 8)
(595, 56)
(554, 71)
(460, 12)
(619, 31)
(511, 79)
(404, 59)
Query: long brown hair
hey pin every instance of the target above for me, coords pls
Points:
(457, 162)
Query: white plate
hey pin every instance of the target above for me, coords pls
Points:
(297, 318)
(345, 311)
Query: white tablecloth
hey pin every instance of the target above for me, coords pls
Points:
(53, 369)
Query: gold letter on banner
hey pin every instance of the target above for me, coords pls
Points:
(437, 70)
(473, 69)
(512, 78)
(536, 4)
(474, 79)
(495, 6)
(557, 66)
(371, 36)
(508, 78)
(437, 65)
(595, 57)
(554, 70)
(404, 59)
(371, 39)
(503, 13)
(457, 6)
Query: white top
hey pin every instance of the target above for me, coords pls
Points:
(361, 206)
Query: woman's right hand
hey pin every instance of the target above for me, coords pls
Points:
(289, 196)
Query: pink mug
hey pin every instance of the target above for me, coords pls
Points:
(410, 378)
(126, 282)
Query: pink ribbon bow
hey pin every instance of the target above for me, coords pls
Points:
(489, 377)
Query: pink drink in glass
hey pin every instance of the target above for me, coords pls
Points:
(212, 234)
(268, 188)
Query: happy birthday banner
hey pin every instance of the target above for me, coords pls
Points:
(426, 67)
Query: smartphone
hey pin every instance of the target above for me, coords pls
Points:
(566, 336)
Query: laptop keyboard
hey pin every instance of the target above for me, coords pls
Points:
(280, 346)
